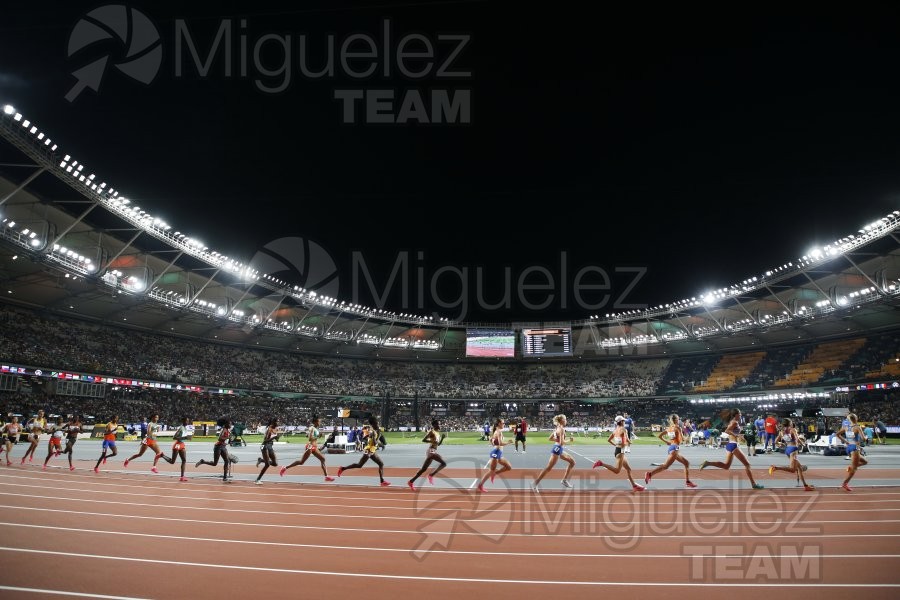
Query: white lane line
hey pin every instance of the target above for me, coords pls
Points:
(516, 582)
(454, 517)
(454, 530)
(10, 588)
(407, 550)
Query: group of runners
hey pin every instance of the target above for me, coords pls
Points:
(851, 435)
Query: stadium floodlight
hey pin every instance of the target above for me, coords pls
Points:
(18, 117)
(8, 109)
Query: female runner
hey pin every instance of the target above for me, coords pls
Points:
(558, 451)
(268, 449)
(369, 450)
(312, 448)
(178, 447)
(36, 427)
(853, 438)
(72, 430)
(672, 436)
(496, 455)
(54, 446)
(733, 431)
(11, 430)
(220, 449)
(109, 442)
(621, 441)
(149, 442)
(433, 438)
(791, 449)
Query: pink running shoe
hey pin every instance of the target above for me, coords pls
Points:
(690, 484)
(282, 471)
(96, 469)
(153, 470)
(599, 463)
(385, 483)
(638, 488)
(183, 479)
(8, 463)
(340, 470)
(481, 488)
(431, 479)
(329, 478)
(72, 468)
(31, 458)
(411, 486)
(126, 463)
(44, 468)
(847, 487)
(104, 460)
(23, 460)
(647, 477)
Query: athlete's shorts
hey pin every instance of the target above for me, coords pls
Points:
(56, 442)
(109, 444)
(148, 441)
(788, 450)
(673, 448)
(311, 446)
(178, 446)
(731, 446)
(557, 449)
(13, 439)
(497, 453)
(617, 452)
(32, 437)
(851, 448)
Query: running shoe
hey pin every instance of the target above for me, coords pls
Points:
(329, 478)
(757, 486)
(430, 479)
(126, 463)
(340, 470)
(96, 469)
(647, 477)
(704, 464)
(411, 486)
(690, 484)
(104, 460)
(44, 468)
(565, 483)
(224, 480)
(183, 479)
(282, 471)
(72, 468)
(481, 489)
(23, 460)
(199, 462)
(259, 461)
(258, 482)
(385, 483)
(847, 487)
(154, 470)
(8, 463)
(535, 488)
(771, 470)
(599, 463)
(638, 488)
(809, 488)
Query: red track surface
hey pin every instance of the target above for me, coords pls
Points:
(153, 537)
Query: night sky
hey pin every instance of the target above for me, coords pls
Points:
(703, 147)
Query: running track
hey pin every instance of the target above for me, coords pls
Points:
(113, 535)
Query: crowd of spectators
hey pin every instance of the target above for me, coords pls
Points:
(48, 341)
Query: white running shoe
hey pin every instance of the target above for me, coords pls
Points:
(535, 488)
(565, 483)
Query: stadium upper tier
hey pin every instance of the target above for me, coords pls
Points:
(52, 342)
(70, 242)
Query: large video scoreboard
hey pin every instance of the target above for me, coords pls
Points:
(547, 341)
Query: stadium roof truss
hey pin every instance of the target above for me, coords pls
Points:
(73, 245)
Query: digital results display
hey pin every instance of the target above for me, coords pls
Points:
(499, 343)
(548, 341)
